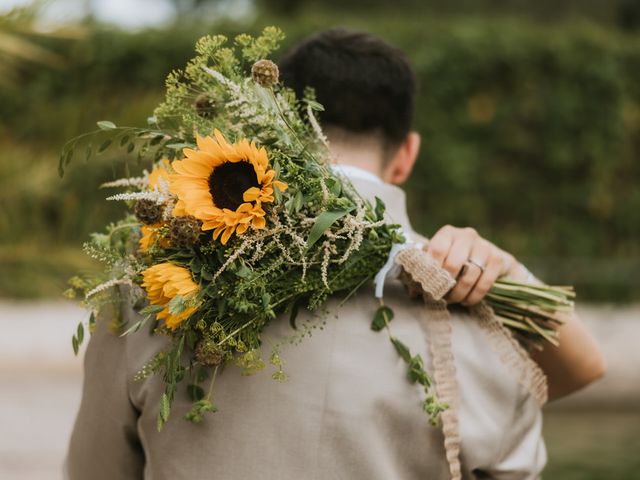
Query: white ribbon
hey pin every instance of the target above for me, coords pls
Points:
(390, 268)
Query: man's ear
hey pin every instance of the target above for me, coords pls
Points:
(401, 164)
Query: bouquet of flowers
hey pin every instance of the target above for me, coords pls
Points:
(239, 218)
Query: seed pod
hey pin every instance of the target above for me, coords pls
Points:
(265, 73)
(184, 232)
(208, 353)
(148, 211)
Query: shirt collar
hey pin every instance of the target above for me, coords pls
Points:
(369, 186)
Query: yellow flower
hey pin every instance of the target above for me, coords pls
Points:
(149, 235)
(165, 281)
(224, 185)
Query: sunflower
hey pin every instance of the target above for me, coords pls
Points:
(163, 282)
(224, 185)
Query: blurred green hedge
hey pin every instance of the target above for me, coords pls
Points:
(531, 134)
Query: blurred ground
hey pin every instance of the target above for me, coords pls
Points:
(592, 435)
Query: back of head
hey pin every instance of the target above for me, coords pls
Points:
(365, 84)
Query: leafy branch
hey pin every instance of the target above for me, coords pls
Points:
(416, 373)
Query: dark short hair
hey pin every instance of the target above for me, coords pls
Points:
(364, 83)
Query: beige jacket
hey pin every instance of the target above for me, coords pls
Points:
(347, 411)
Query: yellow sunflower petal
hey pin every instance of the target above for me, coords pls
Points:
(267, 177)
(259, 222)
(251, 194)
(218, 231)
(280, 185)
(226, 235)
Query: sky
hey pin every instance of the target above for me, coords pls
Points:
(130, 14)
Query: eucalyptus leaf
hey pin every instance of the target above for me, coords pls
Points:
(379, 320)
(402, 349)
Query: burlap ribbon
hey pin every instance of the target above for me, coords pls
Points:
(422, 271)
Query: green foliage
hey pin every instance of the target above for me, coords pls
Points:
(416, 372)
(198, 409)
(381, 318)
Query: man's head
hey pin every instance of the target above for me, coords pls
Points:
(367, 88)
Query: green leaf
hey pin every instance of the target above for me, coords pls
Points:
(266, 300)
(92, 321)
(334, 186)
(205, 274)
(156, 140)
(106, 125)
(177, 305)
(380, 208)
(382, 316)
(417, 373)
(295, 202)
(315, 105)
(295, 308)
(135, 327)
(243, 271)
(323, 223)
(80, 333)
(74, 344)
(151, 309)
(124, 140)
(130, 147)
(402, 349)
(178, 146)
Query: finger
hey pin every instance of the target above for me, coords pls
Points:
(439, 245)
(492, 271)
(459, 252)
(471, 273)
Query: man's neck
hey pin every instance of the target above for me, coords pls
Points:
(360, 151)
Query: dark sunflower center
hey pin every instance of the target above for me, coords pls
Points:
(229, 181)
